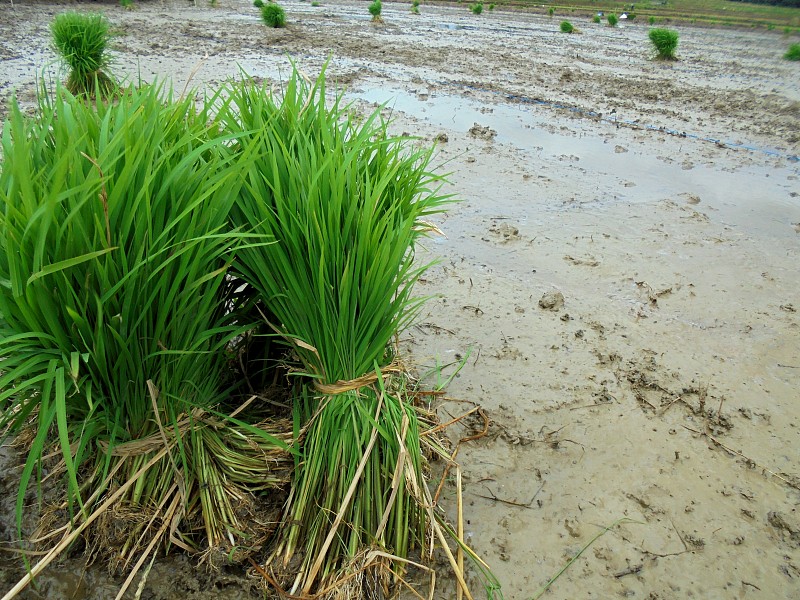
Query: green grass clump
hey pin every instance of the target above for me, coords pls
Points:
(596, 19)
(375, 9)
(566, 27)
(665, 42)
(273, 15)
(476, 8)
(491, 6)
(613, 20)
(415, 7)
(258, 3)
(651, 20)
(793, 53)
(551, 11)
(81, 40)
(346, 204)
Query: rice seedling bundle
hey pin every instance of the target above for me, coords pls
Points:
(81, 40)
(114, 333)
(346, 204)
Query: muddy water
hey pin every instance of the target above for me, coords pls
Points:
(676, 258)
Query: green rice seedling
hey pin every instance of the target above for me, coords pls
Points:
(476, 8)
(651, 20)
(273, 15)
(258, 3)
(566, 27)
(596, 19)
(315, 4)
(551, 11)
(491, 6)
(81, 40)
(346, 204)
(114, 318)
(793, 53)
(375, 9)
(665, 42)
(415, 7)
(613, 20)
(126, 3)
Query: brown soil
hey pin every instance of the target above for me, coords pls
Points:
(656, 394)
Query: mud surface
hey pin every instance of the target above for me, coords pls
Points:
(621, 274)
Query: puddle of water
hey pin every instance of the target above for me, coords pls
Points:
(755, 198)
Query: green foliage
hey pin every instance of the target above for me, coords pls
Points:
(273, 15)
(665, 42)
(258, 3)
(114, 252)
(596, 19)
(612, 20)
(315, 4)
(375, 9)
(415, 7)
(346, 205)
(566, 27)
(551, 11)
(126, 3)
(651, 20)
(476, 8)
(81, 40)
(793, 53)
(491, 6)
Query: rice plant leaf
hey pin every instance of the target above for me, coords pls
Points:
(67, 263)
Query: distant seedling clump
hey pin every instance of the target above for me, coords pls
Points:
(665, 41)
(258, 3)
(375, 10)
(415, 7)
(81, 40)
(793, 53)
(273, 15)
(613, 20)
(476, 8)
(566, 27)
(596, 19)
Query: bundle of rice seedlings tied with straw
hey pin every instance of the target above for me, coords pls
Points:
(115, 325)
(346, 204)
(81, 40)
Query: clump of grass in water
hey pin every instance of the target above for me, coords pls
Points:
(375, 10)
(551, 11)
(566, 27)
(273, 15)
(81, 40)
(665, 42)
(651, 20)
(793, 53)
(612, 20)
(258, 3)
(476, 8)
(596, 19)
(415, 7)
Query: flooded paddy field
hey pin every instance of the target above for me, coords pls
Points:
(620, 272)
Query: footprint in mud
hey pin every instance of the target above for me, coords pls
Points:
(506, 232)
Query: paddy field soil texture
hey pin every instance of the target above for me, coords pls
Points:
(619, 278)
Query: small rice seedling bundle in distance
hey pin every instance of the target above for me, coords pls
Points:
(567, 27)
(346, 204)
(665, 42)
(793, 53)
(273, 15)
(613, 20)
(415, 7)
(114, 323)
(258, 3)
(596, 19)
(476, 8)
(375, 9)
(81, 40)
